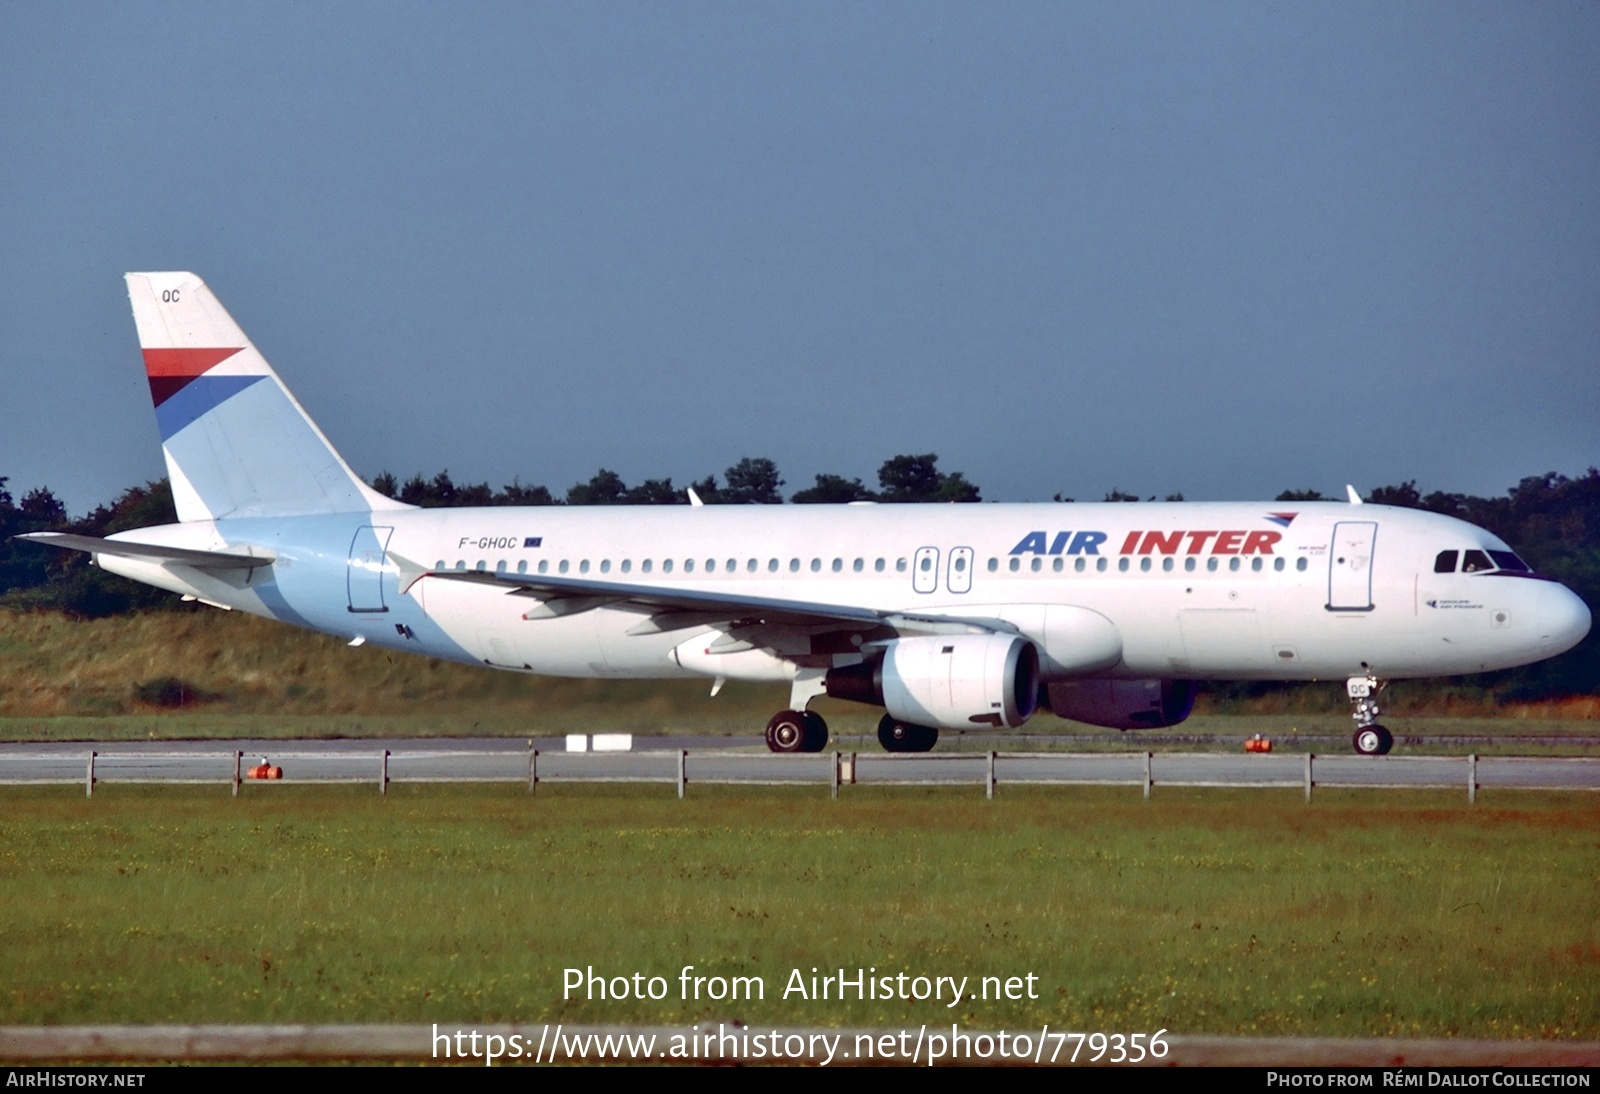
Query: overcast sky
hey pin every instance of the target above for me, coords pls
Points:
(1221, 249)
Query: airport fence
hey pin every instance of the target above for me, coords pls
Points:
(683, 768)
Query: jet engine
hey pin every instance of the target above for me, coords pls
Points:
(950, 682)
(1122, 704)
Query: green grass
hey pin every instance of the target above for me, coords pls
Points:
(1198, 912)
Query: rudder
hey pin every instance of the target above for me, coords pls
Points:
(236, 442)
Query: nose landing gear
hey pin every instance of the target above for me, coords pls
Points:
(1371, 739)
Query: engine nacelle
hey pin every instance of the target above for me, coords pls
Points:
(1123, 704)
(952, 683)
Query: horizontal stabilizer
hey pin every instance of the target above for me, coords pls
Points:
(205, 560)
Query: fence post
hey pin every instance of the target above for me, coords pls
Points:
(1472, 779)
(683, 758)
(1147, 779)
(1308, 776)
(834, 778)
(238, 759)
(88, 778)
(533, 770)
(989, 782)
(383, 774)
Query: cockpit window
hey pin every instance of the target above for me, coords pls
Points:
(1446, 562)
(1508, 561)
(1474, 562)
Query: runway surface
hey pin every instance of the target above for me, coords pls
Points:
(738, 760)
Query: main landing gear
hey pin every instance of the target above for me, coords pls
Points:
(897, 736)
(797, 731)
(1370, 738)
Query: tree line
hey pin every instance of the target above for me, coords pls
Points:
(1551, 520)
(751, 481)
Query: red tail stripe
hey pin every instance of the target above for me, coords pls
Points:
(187, 363)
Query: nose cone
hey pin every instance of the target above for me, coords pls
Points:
(1563, 619)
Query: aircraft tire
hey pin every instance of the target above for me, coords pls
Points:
(897, 736)
(816, 733)
(1373, 740)
(787, 732)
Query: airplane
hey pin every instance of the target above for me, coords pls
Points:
(949, 617)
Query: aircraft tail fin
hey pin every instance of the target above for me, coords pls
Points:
(237, 443)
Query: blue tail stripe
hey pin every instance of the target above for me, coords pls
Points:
(201, 396)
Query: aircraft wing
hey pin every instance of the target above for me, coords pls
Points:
(151, 552)
(673, 608)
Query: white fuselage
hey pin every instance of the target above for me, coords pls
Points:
(1280, 591)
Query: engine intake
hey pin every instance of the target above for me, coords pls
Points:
(952, 683)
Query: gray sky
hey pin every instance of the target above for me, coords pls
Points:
(1221, 249)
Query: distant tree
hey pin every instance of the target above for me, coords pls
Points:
(473, 494)
(955, 487)
(1174, 497)
(514, 493)
(833, 489)
(655, 492)
(39, 506)
(1118, 495)
(910, 478)
(1404, 494)
(918, 479)
(386, 485)
(1301, 495)
(752, 480)
(707, 489)
(606, 488)
(1058, 497)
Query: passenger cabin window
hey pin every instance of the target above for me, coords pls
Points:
(1473, 562)
(666, 565)
(1445, 563)
(994, 564)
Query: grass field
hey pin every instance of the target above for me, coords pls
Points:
(62, 679)
(1198, 912)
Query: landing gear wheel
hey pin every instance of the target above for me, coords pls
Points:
(1373, 741)
(897, 736)
(815, 738)
(787, 732)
